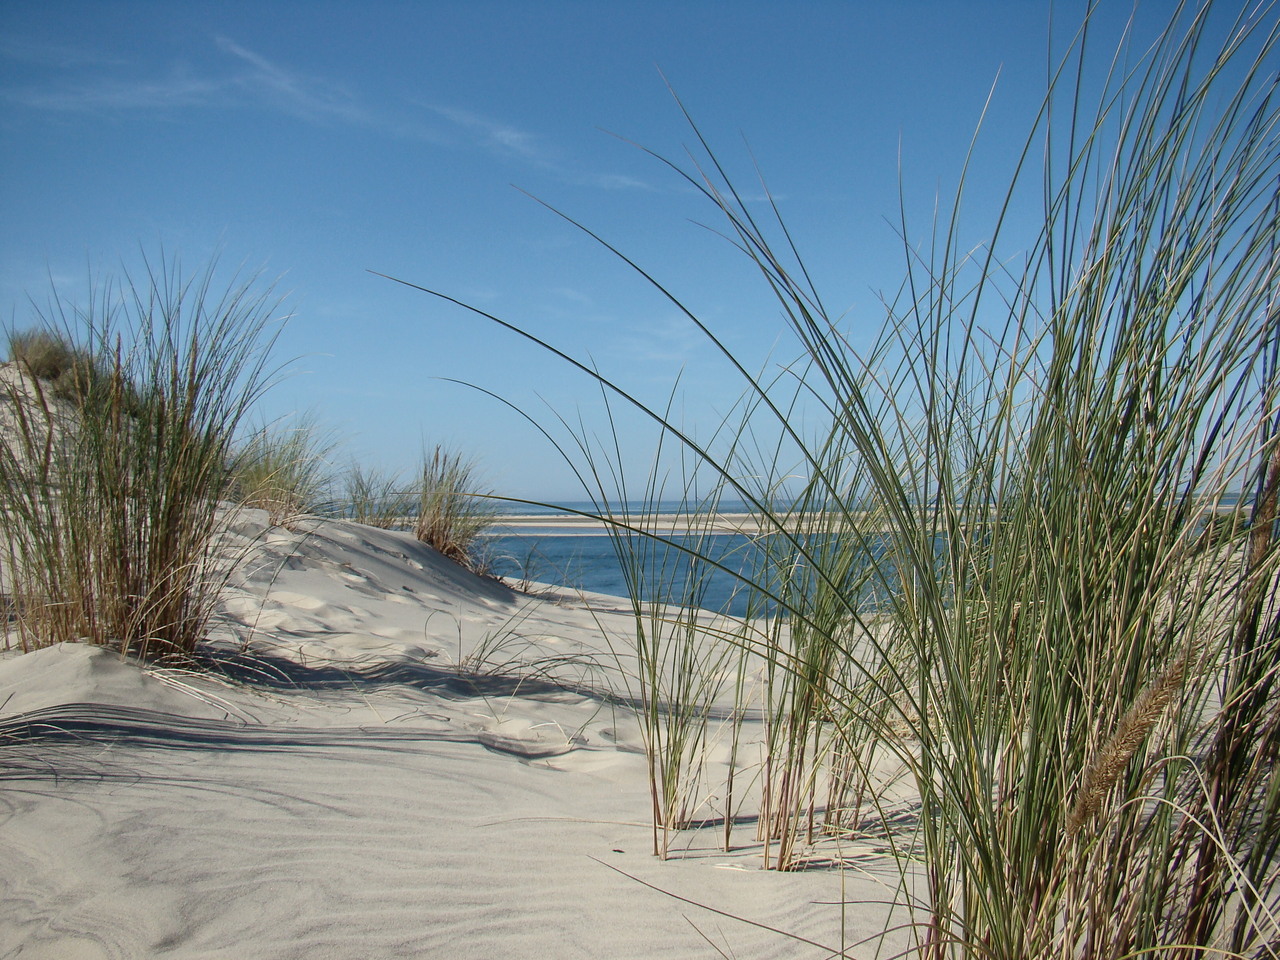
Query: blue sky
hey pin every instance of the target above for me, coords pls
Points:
(318, 141)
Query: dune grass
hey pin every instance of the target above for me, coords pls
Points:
(288, 470)
(683, 668)
(111, 491)
(285, 469)
(67, 370)
(994, 565)
(374, 497)
(452, 511)
(44, 354)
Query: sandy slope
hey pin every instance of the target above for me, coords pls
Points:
(337, 789)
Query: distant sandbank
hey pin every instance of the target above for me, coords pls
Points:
(577, 525)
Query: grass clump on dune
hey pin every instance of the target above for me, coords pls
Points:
(451, 511)
(285, 470)
(52, 357)
(374, 497)
(111, 498)
(988, 555)
(44, 354)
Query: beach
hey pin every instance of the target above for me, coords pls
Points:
(920, 593)
(384, 756)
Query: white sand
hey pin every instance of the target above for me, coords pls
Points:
(341, 793)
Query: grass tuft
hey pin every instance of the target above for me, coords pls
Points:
(452, 512)
(110, 495)
(284, 470)
(375, 498)
(44, 354)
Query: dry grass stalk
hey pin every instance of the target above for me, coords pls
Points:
(1114, 755)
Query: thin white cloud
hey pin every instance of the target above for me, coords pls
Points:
(244, 77)
(308, 97)
(670, 339)
(619, 181)
(176, 91)
(506, 140)
(576, 296)
(247, 77)
(495, 135)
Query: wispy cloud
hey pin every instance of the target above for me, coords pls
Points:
(243, 77)
(573, 295)
(669, 339)
(310, 98)
(107, 94)
(618, 181)
(504, 139)
(495, 135)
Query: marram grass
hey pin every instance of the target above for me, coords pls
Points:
(285, 469)
(111, 491)
(451, 511)
(373, 497)
(1021, 590)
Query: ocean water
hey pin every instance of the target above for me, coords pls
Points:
(586, 558)
(567, 507)
(722, 579)
(589, 561)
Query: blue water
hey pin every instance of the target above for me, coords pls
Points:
(587, 559)
(580, 562)
(590, 562)
(568, 507)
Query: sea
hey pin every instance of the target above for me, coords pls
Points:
(585, 557)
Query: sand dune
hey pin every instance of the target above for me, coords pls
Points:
(335, 787)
